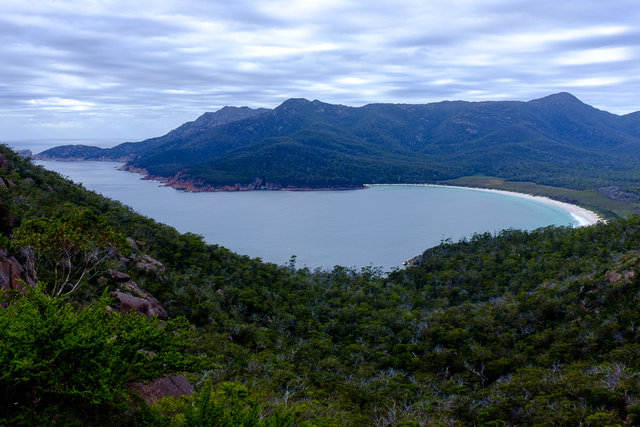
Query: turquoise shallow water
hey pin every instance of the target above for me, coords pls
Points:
(380, 226)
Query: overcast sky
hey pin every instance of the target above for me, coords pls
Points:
(127, 70)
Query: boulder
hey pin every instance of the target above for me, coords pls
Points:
(4, 163)
(149, 265)
(147, 306)
(17, 274)
(133, 298)
(119, 276)
(132, 243)
(173, 386)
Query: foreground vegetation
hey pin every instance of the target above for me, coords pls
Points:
(520, 328)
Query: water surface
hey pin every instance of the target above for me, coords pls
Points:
(379, 226)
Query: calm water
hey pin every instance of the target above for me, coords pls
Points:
(380, 226)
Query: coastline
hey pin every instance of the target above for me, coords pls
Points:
(584, 217)
(179, 182)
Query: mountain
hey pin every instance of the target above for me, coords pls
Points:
(556, 140)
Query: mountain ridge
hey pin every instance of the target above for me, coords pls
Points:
(312, 144)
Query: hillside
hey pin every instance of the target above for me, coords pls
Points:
(556, 140)
(520, 328)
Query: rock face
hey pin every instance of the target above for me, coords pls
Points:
(162, 387)
(17, 272)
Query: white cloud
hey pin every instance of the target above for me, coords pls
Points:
(126, 60)
(594, 82)
(595, 56)
(61, 104)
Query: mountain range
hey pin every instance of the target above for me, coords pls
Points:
(556, 140)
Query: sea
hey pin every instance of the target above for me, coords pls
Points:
(378, 227)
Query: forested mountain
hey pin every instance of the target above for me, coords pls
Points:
(556, 140)
(520, 328)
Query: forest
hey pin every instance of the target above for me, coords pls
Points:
(516, 328)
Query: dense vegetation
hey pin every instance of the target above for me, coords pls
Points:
(556, 140)
(520, 328)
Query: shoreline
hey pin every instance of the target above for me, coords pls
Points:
(583, 216)
(189, 185)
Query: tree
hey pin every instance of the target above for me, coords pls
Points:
(70, 250)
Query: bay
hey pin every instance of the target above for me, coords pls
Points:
(381, 226)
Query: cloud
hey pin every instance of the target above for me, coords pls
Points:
(144, 67)
(61, 104)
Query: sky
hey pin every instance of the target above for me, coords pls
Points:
(116, 70)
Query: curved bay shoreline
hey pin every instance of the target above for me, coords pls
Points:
(583, 216)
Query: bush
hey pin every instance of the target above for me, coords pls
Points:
(63, 363)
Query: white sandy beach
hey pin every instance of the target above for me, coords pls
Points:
(583, 217)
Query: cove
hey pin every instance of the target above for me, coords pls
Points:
(381, 226)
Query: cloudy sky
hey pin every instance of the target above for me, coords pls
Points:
(126, 70)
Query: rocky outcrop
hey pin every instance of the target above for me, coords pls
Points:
(148, 265)
(119, 276)
(128, 302)
(163, 387)
(131, 297)
(133, 244)
(617, 277)
(626, 270)
(17, 272)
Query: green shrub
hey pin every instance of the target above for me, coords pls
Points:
(63, 363)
